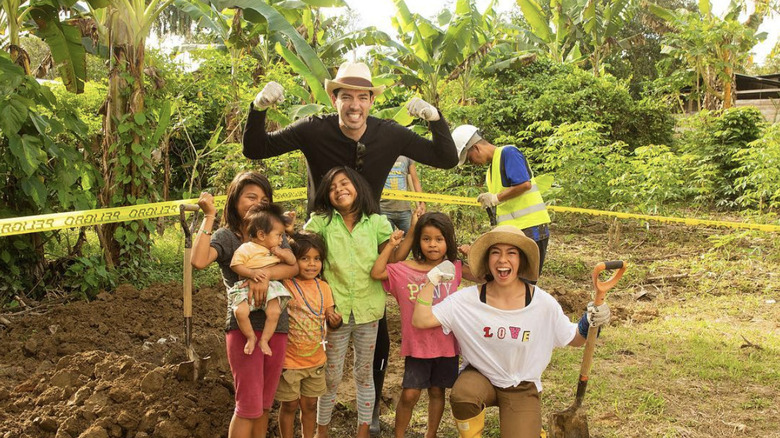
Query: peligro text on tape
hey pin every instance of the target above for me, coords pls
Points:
(282, 195)
(58, 221)
(427, 197)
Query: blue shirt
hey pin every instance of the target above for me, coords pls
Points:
(515, 170)
(514, 167)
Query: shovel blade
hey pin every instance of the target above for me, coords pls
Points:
(192, 370)
(187, 371)
(571, 423)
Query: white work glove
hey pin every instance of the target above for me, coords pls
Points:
(488, 200)
(444, 271)
(271, 94)
(598, 315)
(422, 110)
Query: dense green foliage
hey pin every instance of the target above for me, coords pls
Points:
(712, 141)
(510, 100)
(759, 168)
(44, 167)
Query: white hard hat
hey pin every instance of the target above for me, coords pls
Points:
(464, 137)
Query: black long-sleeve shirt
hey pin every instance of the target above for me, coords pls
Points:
(325, 146)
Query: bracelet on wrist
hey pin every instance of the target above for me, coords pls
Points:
(423, 302)
(206, 232)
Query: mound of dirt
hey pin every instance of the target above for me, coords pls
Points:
(97, 394)
(108, 368)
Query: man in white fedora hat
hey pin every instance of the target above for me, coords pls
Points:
(350, 137)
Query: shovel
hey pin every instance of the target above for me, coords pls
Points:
(195, 367)
(573, 422)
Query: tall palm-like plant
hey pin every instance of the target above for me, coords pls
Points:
(601, 22)
(575, 30)
(126, 158)
(11, 15)
(553, 28)
(428, 53)
(48, 21)
(230, 29)
(275, 29)
(711, 47)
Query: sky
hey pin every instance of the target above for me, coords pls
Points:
(378, 12)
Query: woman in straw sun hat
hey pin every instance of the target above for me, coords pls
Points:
(506, 329)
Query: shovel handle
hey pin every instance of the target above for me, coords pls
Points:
(602, 287)
(186, 265)
(590, 344)
(183, 209)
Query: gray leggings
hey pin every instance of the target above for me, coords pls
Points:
(363, 339)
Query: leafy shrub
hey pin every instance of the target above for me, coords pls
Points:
(654, 177)
(42, 167)
(468, 181)
(583, 162)
(87, 275)
(212, 97)
(86, 105)
(759, 167)
(510, 100)
(284, 172)
(713, 140)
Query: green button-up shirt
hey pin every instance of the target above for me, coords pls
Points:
(351, 256)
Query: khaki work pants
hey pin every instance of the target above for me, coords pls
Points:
(519, 407)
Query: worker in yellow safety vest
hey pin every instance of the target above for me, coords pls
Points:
(512, 189)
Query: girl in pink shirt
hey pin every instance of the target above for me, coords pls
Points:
(431, 357)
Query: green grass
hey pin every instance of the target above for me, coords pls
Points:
(641, 373)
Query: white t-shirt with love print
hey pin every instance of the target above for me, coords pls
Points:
(506, 346)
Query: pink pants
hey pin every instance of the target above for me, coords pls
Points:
(255, 376)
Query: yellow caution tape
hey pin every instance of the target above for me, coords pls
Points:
(58, 221)
(462, 200)
(679, 220)
(402, 195)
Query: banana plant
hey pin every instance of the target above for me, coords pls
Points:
(276, 23)
(713, 48)
(554, 29)
(236, 35)
(12, 15)
(62, 35)
(428, 53)
(601, 22)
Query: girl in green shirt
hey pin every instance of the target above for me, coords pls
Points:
(347, 217)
